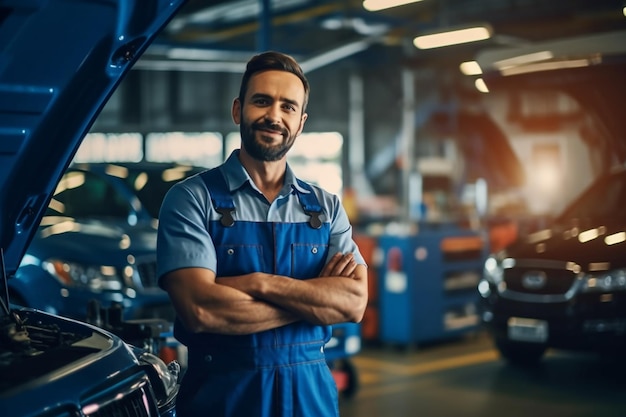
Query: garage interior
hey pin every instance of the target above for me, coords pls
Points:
(372, 85)
(412, 122)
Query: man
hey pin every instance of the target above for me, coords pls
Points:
(259, 264)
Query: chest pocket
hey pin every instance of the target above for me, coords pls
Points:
(307, 260)
(242, 248)
(301, 250)
(298, 250)
(239, 259)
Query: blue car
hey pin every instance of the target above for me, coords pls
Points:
(97, 243)
(61, 61)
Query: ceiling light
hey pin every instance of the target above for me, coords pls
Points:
(615, 238)
(524, 59)
(453, 37)
(470, 68)
(545, 66)
(481, 86)
(376, 5)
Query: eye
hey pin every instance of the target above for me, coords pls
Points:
(261, 101)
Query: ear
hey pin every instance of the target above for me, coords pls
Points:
(302, 120)
(235, 112)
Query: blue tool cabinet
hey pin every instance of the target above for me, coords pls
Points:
(428, 283)
(343, 344)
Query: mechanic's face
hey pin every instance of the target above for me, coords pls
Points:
(271, 116)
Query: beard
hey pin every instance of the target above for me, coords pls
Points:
(260, 149)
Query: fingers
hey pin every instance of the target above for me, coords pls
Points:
(326, 271)
(346, 266)
(340, 265)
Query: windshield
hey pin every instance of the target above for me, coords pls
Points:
(150, 186)
(83, 194)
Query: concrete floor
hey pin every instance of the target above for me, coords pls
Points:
(467, 378)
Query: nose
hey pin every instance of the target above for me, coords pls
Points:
(273, 115)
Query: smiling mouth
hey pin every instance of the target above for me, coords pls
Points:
(269, 133)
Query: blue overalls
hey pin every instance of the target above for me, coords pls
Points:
(275, 373)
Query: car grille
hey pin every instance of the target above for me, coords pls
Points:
(147, 274)
(136, 400)
(556, 281)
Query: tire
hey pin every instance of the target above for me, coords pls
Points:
(520, 353)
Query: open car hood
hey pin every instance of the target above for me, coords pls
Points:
(588, 68)
(60, 61)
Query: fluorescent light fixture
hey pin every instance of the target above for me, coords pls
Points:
(470, 68)
(524, 59)
(480, 85)
(453, 37)
(376, 5)
(568, 52)
(615, 238)
(588, 235)
(545, 66)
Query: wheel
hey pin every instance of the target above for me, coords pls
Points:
(520, 353)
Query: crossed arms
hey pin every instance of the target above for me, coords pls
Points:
(259, 301)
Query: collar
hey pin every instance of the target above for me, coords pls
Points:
(236, 176)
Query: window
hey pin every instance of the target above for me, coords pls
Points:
(86, 195)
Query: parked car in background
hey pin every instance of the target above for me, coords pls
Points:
(564, 286)
(97, 242)
(53, 84)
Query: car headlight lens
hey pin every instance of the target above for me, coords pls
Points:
(165, 378)
(493, 271)
(92, 277)
(605, 282)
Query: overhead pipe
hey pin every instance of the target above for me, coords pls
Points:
(214, 65)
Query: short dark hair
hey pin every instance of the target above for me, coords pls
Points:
(272, 60)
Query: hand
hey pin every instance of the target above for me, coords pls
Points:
(340, 265)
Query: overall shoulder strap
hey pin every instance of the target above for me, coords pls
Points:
(220, 195)
(310, 204)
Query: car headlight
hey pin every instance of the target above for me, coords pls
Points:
(93, 277)
(605, 282)
(164, 378)
(493, 274)
(493, 270)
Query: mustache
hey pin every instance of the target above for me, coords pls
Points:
(269, 126)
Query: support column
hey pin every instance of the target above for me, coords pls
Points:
(407, 142)
(264, 37)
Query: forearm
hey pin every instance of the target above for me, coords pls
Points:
(240, 316)
(322, 300)
(206, 306)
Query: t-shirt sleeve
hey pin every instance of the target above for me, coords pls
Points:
(183, 240)
(341, 239)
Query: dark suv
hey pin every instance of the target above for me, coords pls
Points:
(563, 286)
(60, 62)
